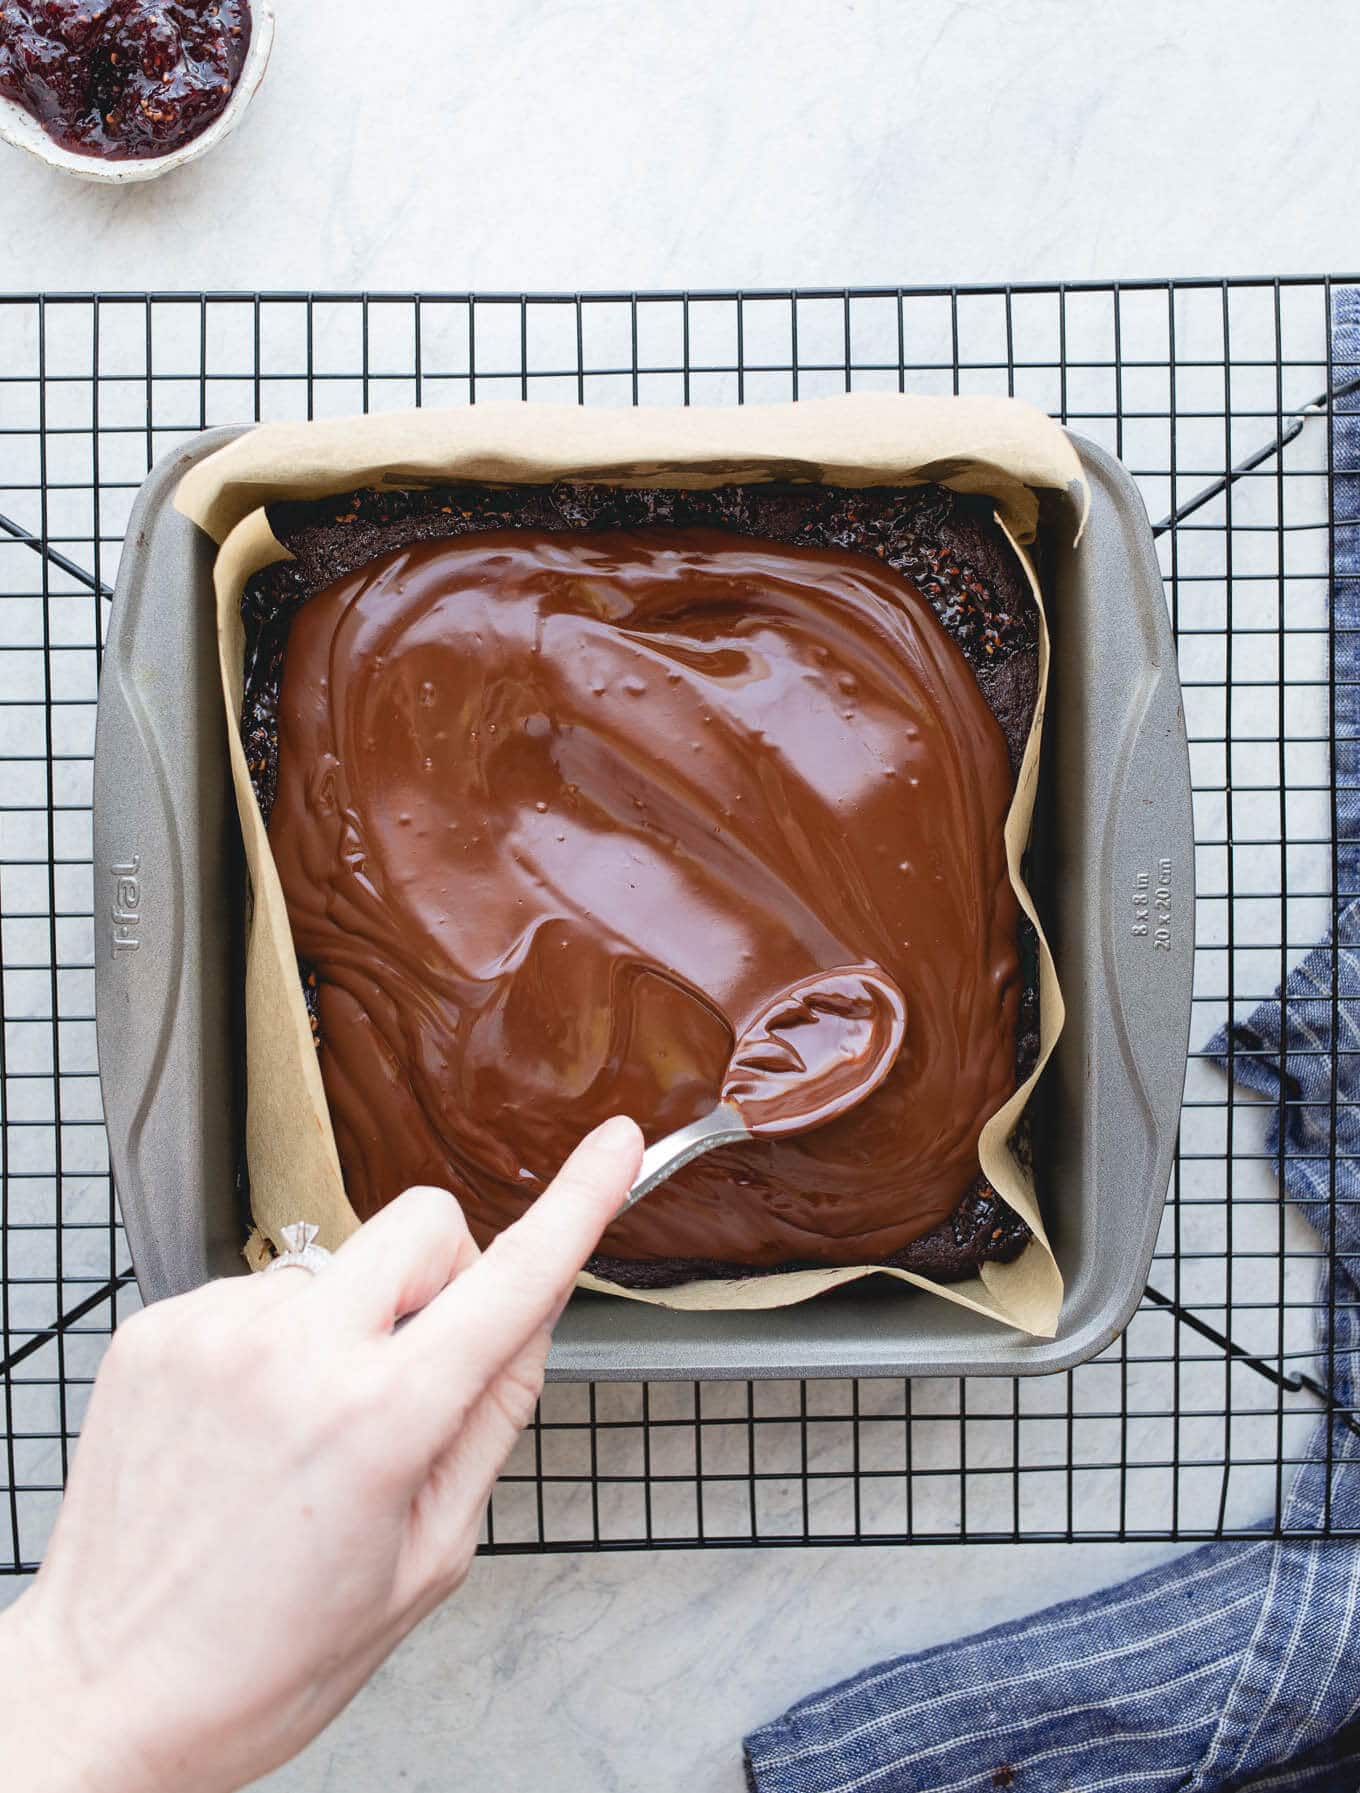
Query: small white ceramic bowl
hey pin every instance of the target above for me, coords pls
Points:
(23, 130)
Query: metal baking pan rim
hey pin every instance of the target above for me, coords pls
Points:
(165, 1009)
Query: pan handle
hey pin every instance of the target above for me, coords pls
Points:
(164, 917)
(1147, 858)
(1149, 876)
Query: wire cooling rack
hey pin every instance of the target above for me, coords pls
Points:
(1216, 394)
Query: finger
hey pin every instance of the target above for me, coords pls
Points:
(263, 1293)
(516, 1287)
(398, 1261)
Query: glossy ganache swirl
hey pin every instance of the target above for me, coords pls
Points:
(558, 815)
(814, 1051)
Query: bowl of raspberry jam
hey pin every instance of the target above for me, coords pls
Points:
(124, 90)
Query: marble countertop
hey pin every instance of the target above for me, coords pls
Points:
(545, 145)
(640, 1674)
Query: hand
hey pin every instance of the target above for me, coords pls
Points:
(273, 1487)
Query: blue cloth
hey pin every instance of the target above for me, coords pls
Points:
(1237, 1666)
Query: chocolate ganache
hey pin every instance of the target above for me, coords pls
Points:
(815, 1050)
(559, 814)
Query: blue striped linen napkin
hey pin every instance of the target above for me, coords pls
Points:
(1237, 1666)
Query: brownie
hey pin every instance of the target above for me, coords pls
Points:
(947, 544)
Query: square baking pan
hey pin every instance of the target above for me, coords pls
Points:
(1113, 877)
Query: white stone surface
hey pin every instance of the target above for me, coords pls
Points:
(532, 143)
(641, 1674)
(752, 142)
(573, 1675)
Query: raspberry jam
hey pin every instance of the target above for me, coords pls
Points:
(122, 79)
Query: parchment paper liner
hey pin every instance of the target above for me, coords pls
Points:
(998, 447)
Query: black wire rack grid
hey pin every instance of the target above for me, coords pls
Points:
(1217, 394)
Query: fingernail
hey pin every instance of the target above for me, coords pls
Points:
(617, 1135)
